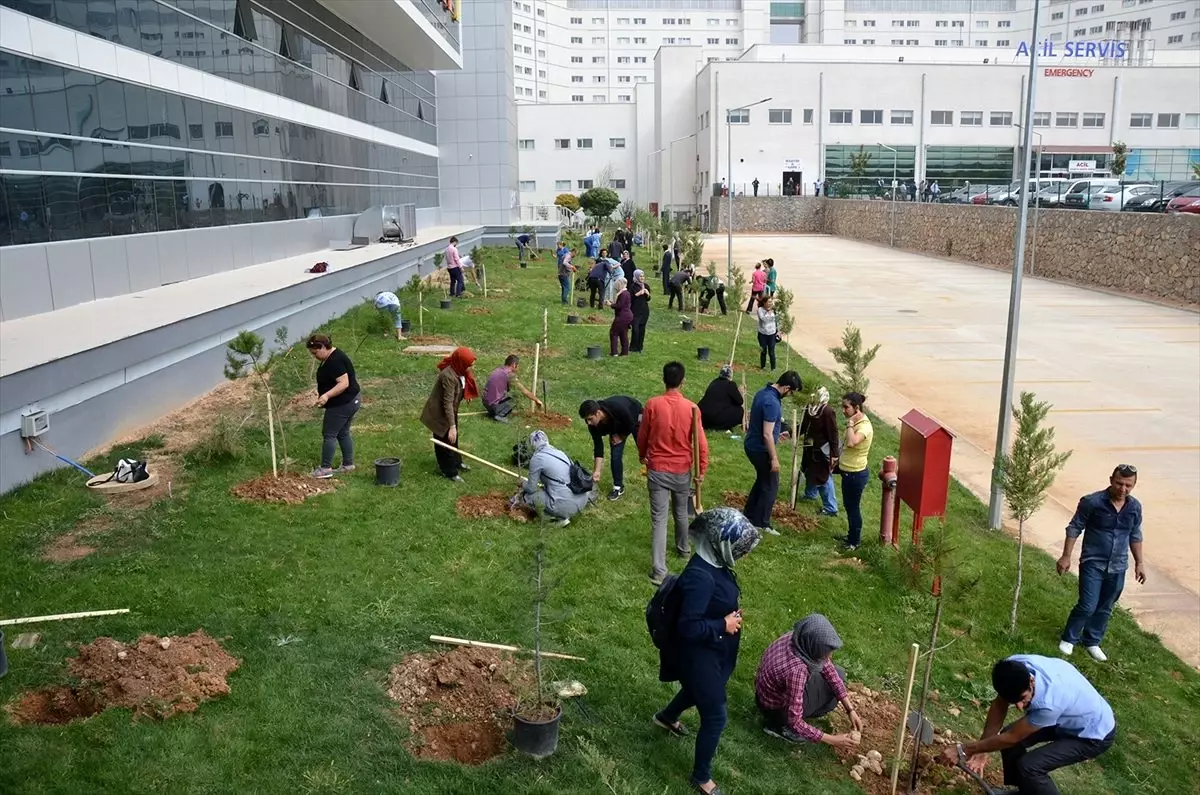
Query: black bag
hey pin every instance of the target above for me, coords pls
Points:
(129, 470)
(579, 481)
(662, 612)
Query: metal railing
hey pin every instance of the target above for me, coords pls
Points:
(441, 19)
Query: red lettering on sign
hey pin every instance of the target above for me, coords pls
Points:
(1065, 72)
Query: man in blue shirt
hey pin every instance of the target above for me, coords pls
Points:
(1062, 710)
(1110, 522)
(522, 246)
(765, 430)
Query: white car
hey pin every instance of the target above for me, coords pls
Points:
(1113, 198)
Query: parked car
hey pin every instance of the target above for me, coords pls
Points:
(1188, 202)
(1053, 195)
(1113, 198)
(988, 193)
(1012, 194)
(1079, 196)
(1156, 200)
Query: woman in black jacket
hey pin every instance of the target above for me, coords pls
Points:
(722, 407)
(641, 310)
(703, 648)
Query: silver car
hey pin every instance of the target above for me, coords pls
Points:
(1113, 198)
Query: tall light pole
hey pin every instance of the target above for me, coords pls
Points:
(671, 169)
(729, 178)
(1037, 200)
(648, 156)
(895, 172)
(996, 503)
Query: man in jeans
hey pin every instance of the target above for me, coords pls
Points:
(562, 255)
(1064, 716)
(1110, 522)
(665, 443)
(617, 417)
(765, 431)
(454, 267)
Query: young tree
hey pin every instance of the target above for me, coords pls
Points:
(599, 202)
(1120, 154)
(854, 361)
(1027, 473)
(785, 320)
(246, 355)
(737, 288)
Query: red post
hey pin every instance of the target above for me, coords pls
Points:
(887, 519)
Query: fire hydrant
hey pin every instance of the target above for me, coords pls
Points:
(887, 475)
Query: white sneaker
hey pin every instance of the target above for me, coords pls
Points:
(1097, 653)
(1065, 648)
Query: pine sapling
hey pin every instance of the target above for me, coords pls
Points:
(246, 355)
(854, 361)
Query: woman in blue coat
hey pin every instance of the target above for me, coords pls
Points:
(703, 649)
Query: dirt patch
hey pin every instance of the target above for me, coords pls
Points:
(705, 327)
(429, 339)
(458, 704)
(781, 515)
(478, 310)
(288, 488)
(170, 470)
(545, 420)
(596, 320)
(492, 505)
(66, 548)
(156, 677)
(181, 430)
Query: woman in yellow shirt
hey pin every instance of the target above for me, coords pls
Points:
(853, 463)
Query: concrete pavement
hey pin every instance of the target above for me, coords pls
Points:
(1123, 375)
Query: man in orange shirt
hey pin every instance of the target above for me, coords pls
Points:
(665, 443)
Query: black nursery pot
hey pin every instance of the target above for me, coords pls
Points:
(538, 739)
(593, 352)
(702, 354)
(447, 303)
(387, 471)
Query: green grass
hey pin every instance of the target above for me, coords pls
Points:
(363, 576)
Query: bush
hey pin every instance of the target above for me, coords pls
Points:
(568, 200)
(222, 443)
(599, 202)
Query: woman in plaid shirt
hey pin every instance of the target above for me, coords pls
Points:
(797, 681)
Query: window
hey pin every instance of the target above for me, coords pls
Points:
(639, 59)
(897, 42)
(1004, 23)
(639, 78)
(542, 94)
(1002, 42)
(576, 59)
(1097, 9)
(640, 40)
(596, 40)
(958, 23)
(1178, 15)
(897, 23)
(713, 21)
(618, 184)
(576, 78)
(971, 118)
(622, 20)
(902, 117)
(1168, 121)
(841, 117)
(1057, 15)
(1096, 29)
(912, 42)
(1093, 120)
(1081, 11)
(1079, 32)
(622, 39)
(779, 116)
(597, 59)
(599, 98)
(197, 130)
(597, 20)
(526, 185)
(868, 41)
(685, 40)
(526, 144)
(616, 143)
(623, 78)
(639, 20)
(685, 21)
(956, 43)
(622, 59)
(583, 143)
(576, 20)
(849, 41)
(1066, 119)
(1141, 119)
(561, 185)
(868, 23)
(564, 143)
(808, 115)
(1000, 119)
(576, 40)
(940, 42)
(624, 98)
(1041, 118)
(224, 129)
(732, 42)
(583, 184)
(668, 20)
(852, 23)
(597, 78)
(941, 117)
(941, 23)
(912, 23)
(1191, 121)
(741, 116)
(713, 40)
(981, 23)
(870, 117)
(1174, 39)
(576, 98)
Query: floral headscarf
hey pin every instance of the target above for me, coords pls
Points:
(538, 440)
(820, 400)
(722, 536)
(726, 372)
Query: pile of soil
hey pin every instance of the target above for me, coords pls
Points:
(704, 327)
(781, 515)
(545, 420)
(458, 704)
(156, 677)
(287, 488)
(478, 310)
(594, 319)
(492, 505)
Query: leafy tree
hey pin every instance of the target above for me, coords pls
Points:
(1027, 472)
(854, 361)
(691, 247)
(736, 287)
(567, 200)
(246, 355)
(785, 321)
(599, 202)
(1120, 154)
(860, 163)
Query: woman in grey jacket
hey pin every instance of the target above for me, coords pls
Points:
(550, 469)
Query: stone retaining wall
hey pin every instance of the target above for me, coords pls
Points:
(1146, 254)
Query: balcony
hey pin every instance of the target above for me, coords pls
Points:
(418, 32)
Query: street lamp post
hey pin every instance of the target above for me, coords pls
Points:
(1037, 201)
(996, 503)
(671, 169)
(729, 182)
(895, 172)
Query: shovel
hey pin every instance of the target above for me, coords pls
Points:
(987, 788)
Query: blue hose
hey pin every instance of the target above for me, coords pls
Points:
(65, 460)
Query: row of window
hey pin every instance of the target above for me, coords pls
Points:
(528, 72)
(599, 41)
(972, 118)
(527, 144)
(712, 22)
(564, 185)
(602, 98)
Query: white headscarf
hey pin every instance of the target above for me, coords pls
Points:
(819, 401)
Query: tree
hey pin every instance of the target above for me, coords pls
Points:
(854, 361)
(567, 200)
(1026, 473)
(627, 209)
(737, 288)
(783, 312)
(604, 176)
(246, 355)
(1120, 154)
(691, 247)
(599, 202)
(1196, 170)
(860, 162)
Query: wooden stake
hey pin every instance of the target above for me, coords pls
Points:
(696, 456)
(795, 461)
(545, 334)
(477, 459)
(537, 355)
(271, 425)
(745, 405)
(736, 332)
(420, 311)
(499, 646)
(787, 352)
(61, 617)
(484, 277)
(913, 654)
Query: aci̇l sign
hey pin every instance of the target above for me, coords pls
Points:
(1077, 49)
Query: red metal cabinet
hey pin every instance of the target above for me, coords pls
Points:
(923, 479)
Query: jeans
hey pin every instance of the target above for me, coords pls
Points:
(595, 292)
(1030, 769)
(502, 408)
(711, 706)
(449, 462)
(619, 332)
(766, 347)
(639, 333)
(564, 281)
(335, 433)
(617, 453)
(853, 486)
(761, 499)
(827, 492)
(668, 491)
(1098, 592)
(457, 282)
(522, 250)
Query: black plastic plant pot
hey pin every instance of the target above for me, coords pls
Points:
(593, 352)
(538, 739)
(687, 324)
(447, 303)
(581, 303)
(702, 354)
(405, 326)
(524, 264)
(387, 471)
(572, 320)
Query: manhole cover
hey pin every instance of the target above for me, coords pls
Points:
(907, 311)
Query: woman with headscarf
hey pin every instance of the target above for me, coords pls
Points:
(701, 651)
(622, 320)
(640, 305)
(722, 406)
(819, 430)
(610, 280)
(550, 469)
(797, 682)
(455, 383)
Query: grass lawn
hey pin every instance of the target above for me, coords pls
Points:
(363, 575)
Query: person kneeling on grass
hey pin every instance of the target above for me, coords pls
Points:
(1062, 710)
(496, 398)
(797, 682)
(390, 303)
(550, 469)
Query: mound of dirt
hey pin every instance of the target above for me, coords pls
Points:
(288, 488)
(458, 704)
(596, 320)
(492, 505)
(156, 677)
(478, 310)
(705, 327)
(781, 515)
(545, 420)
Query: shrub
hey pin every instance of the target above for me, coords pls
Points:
(567, 200)
(222, 443)
(599, 202)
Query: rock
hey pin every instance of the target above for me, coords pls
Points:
(121, 655)
(949, 735)
(955, 711)
(876, 768)
(856, 736)
(856, 774)
(164, 644)
(874, 756)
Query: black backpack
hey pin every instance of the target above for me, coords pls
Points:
(579, 481)
(662, 612)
